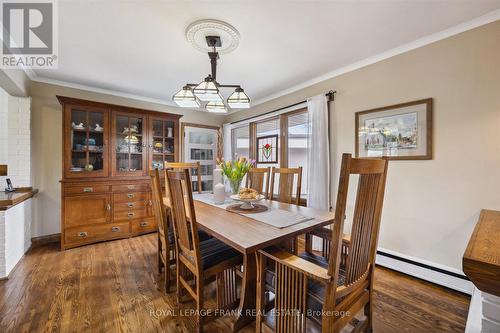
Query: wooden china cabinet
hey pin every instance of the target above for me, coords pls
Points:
(107, 152)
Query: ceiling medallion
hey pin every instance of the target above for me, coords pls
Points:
(197, 31)
(213, 37)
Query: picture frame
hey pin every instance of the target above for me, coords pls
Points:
(396, 132)
(267, 149)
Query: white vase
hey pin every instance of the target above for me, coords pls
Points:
(169, 133)
(219, 194)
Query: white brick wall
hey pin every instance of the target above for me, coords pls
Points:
(19, 142)
(15, 151)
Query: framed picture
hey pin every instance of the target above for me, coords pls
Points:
(267, 149)
(396, 132)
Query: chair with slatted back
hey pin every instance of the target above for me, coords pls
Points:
(308, 286)
(166, 243)
(258, 179)
(286, 194)
(285, 185)
(198, 261)
(191, 166)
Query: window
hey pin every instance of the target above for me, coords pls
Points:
(289, 133)
(268, 129)
(299, 130)
(240, 137)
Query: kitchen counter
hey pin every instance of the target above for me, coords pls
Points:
(9, 199)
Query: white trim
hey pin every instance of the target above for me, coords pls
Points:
(424, 273)
(33, 77)
(475, 312)
(477, 22)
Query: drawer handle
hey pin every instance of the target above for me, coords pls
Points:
(150, 203)
(130, 214)
(108, 207)
(130, 205)
(88, 190)
(83, 234)
(115, 229)
(130, 195)
(144, 224)
(130, 187)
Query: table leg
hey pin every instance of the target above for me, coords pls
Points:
(246, 313)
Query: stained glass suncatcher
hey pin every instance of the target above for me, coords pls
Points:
(267, 149)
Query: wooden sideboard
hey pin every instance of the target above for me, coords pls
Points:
(107, 152)
(481, 260)
(481, 264)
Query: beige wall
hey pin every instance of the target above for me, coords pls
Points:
(431, 206)
(47, 144)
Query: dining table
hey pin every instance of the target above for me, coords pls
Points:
(248, 235)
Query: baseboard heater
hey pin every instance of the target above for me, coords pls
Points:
(425, 271)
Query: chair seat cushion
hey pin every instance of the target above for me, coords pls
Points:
(213, 252)
(202, 236)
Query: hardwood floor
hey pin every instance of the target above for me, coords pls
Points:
(114, 287)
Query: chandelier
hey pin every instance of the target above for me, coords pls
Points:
(208, 91)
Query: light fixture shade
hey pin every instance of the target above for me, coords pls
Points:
(185, 98)
(216, 106)
(207, 90)
(238, 99)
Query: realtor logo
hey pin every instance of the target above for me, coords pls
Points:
(29, 34)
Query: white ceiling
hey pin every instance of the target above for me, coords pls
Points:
(139, 47)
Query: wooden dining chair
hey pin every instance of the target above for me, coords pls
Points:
(166, 242)
(198, 261)
(191, 166)
(258, 179)
(285, 185)
(312, 291)
(285, 194)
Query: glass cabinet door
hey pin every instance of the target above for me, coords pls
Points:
(86, 153)
(163, 145)
(130, 144)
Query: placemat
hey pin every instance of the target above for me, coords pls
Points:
(275, 217)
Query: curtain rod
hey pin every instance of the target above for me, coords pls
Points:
(330, 95)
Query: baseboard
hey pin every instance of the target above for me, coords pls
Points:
(425, 270)
(47, 239)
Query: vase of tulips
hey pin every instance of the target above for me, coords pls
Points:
(235, 171)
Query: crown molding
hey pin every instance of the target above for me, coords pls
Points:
(474, 23)
(469, 25)
(35, 78)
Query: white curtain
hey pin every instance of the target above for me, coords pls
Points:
(226, 141)
(318, 193)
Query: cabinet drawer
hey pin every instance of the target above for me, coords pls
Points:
(131, 197)
(132, 214)
(86, 189)
(97, 232)
(132, 205)
(142, 226)
(87, 209)
(140, 187)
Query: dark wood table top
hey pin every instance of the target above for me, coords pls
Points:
(9, 199)
(248, 235)
(481, 260)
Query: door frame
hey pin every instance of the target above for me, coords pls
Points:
(209, 127)
(183, 136)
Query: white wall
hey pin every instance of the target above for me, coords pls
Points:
(431, 206)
